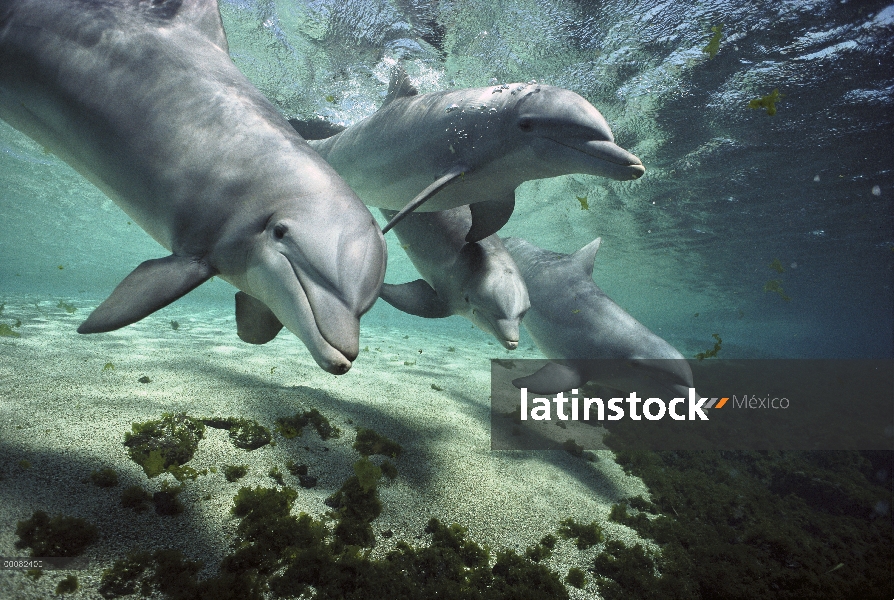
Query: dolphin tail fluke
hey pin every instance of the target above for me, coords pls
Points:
(551, 379)
(416, 298)
(424, 195)
(255, 322)
(151, 286)
(489, 217)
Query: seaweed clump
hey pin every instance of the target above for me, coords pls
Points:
(244, 433)
(136, 498)
(56, 536)
(277, 554)
(768, 102)
(778, 525)
(290, 427)
(718, 344)
(585, 536)
(369, 442)
(165, 445)
(713, 46)
(69, 585)
(104, 478)
(235, 472)
(6, 331)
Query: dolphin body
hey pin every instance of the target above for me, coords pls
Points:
(143, 100)
(571, 319)
(477, 280)
(471, 146)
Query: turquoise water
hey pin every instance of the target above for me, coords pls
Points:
(687, 249)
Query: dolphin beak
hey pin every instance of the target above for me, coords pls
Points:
(672, 375)
(622, 165)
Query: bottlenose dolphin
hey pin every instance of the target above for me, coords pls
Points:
(143, 100)
(478, 280)
(573, 320)
(471, 146)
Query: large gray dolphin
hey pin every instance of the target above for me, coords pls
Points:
(572, 319)
(143, 100)
(478, 280)
(472, 146)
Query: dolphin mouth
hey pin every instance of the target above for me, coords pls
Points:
(337, 327)
(619, 163)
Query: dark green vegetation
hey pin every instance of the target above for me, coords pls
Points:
(165, 445)
(713, 46)
(6, 331)
(543, 550)
(68, 307)
(768, 102)
(244, 433)
(576, 577)
(369, 442)
(144, 379)
(775, 285)
(743, 525)
(584, 205)
(175, 325)
(776, 265)
(713, 351)
(166, 501)
(104, 478)
(290, 427)
(283, 555)
(585, 536)
(57, 536)
(235, 472)
(69, 585)
(136, 498)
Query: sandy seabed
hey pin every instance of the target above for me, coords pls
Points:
(64, 414)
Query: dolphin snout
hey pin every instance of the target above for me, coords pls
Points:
(628, 166)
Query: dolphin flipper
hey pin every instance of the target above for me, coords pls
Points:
(551, 379)
(488, 217)
(427, 193)
(316, 129)
(416, 298)
(151, 286)
(255, 322)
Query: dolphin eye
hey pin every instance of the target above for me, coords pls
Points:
(467, 299)
(525, 124)
(280, 231)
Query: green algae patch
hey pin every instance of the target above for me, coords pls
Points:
(107, 477)
(718, 344)
(576, 578)
(56, 536)
(66, 306)
(244, 433)
(235, 472)
(280, 555)
(136, 498)
(290, 427)
(768, 102)
(166, 500)
(713, 46)
(165, 445)
(369, 442)
(6, 331)
(69, 585)
(108, 367)
(584, 536)
(775, 524)
(775, 285)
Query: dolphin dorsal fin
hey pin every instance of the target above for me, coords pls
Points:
(204, 15)
(400, 85)
(585, 258)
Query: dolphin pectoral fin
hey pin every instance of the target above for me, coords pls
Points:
(316, 129)
(416, 298)
(488, 217)
(425, 194)
(151, 286)
(255, 322)
(551, 379)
